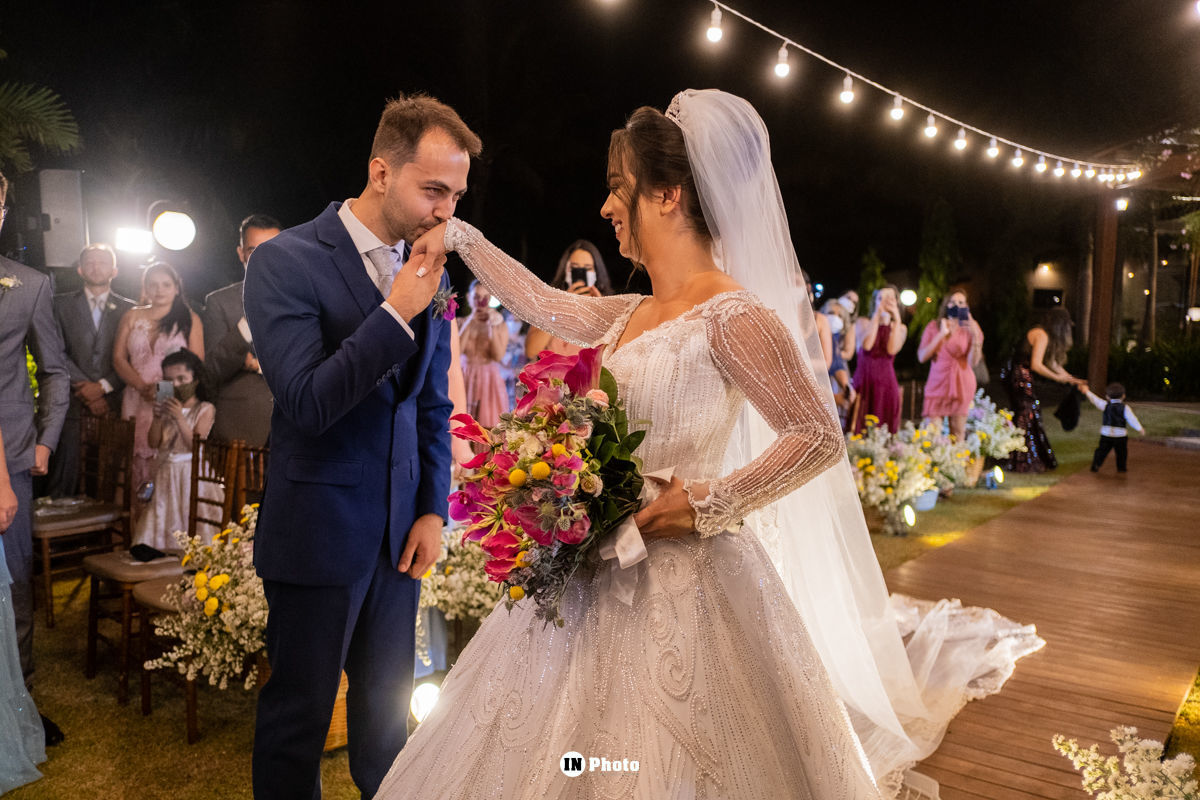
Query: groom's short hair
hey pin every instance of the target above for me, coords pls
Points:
(407, 118)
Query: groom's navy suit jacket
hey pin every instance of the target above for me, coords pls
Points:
(359, 442)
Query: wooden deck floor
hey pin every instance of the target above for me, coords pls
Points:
(1108, 568)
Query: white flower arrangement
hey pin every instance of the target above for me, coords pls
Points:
(1139, 774)
(948, 458)
(997, 434)
(222, 617)
(888, 471)
(9, 282)
(458, 585)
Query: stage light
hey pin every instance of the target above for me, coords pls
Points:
(1193, 314)
(781, 66)
(847, 95)
(424, 698)
(908, 297)
(714, 25)
(1122, 203)
(174, 230)
(134, 240)
(897, 108)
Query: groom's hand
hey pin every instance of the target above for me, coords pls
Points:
(423, 546)
(416, 283)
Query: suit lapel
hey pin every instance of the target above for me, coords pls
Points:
(347, 260)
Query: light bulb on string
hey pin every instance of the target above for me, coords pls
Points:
(1090, 172)
(930, 126)
(714, 25)
(1077, 171)
(897, 108)
(1041, 164)
(960, 141)
(1018, 159)
(1120, 177)
(847, 95)
(993, 150)
(1059, 170)
(782, 68)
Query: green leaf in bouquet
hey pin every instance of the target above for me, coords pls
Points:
(632, 441)
(605, 451)
(608, 385)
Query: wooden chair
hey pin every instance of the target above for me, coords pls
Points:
(105, 477)
(214, 464)
(119, 573)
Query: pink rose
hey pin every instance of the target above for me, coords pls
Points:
(599, 397)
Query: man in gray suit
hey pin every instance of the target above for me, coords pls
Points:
(243, 399)
(27, 318)
(88, 320)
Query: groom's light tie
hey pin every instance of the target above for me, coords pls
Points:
(384, 259)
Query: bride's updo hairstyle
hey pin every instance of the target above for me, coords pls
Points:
(651, 148)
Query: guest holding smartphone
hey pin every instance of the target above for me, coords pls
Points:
(880, 337)
(580, 271)
(955, 343)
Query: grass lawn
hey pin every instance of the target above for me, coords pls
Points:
(112, 751)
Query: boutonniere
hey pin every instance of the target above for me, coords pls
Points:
(111, 307)
(445, 303)
(9, 282)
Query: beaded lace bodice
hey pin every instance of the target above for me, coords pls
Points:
(688, 378)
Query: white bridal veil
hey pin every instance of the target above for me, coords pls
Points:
(900, 687)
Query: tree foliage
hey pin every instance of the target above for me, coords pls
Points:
(939, 261)
(32, 116)
(870, 279)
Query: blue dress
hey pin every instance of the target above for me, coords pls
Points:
(22, 738)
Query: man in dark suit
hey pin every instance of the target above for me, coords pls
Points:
(88, 321)
(243, 399)
(359, 471)
(27, 318)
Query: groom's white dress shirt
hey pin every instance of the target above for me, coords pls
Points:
(365, 242)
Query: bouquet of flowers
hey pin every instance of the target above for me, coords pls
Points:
(458, 585)
(222, 617)
(948, 459)
(1139, 774)
(997, 434)
(551, 479)
(888, 471)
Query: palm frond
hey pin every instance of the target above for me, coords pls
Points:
(37, 115)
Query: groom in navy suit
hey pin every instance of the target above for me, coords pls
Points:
(356, 359)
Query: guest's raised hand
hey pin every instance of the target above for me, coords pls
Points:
(579, 287)
(417, 282)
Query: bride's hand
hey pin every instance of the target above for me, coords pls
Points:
(432, 244)
(668, 516)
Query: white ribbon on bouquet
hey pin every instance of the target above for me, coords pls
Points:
(626, 545)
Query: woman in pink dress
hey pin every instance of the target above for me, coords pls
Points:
(484, 339)
(955, 342)
(149, 332)
(880, 337)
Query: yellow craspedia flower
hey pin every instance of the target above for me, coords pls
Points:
(202, 594)
(448, 569)
(217, 581)
(516, 592)
(200, 579)
(235, 540)
(540, 471)
(210, 606)
(224, 607)
(254, 505)
(186, 558)
(558, 450)
(888, 490)
(427, 574)
(520, 560)
(517, 477)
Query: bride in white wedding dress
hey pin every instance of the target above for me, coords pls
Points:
(720, 678)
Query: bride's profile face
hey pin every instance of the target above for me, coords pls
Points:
(616, 211)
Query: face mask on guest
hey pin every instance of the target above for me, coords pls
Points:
(835, 323)
(185, 392)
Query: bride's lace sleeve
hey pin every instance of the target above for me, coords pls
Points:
(579, 319)
(754, 350)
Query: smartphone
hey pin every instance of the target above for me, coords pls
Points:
(952, 312)
(885, 318)
(964, 315)
(582, 275)
(164, 392)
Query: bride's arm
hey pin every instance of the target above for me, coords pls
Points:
(579, 319)
(755, 352)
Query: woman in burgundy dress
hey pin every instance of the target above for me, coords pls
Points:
(955, 342)
(880, 338)
(1040, 353)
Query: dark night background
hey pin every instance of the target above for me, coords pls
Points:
(270, 107)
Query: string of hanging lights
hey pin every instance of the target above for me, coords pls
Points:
(1111, 174)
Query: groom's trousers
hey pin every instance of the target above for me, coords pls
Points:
(313, 632)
